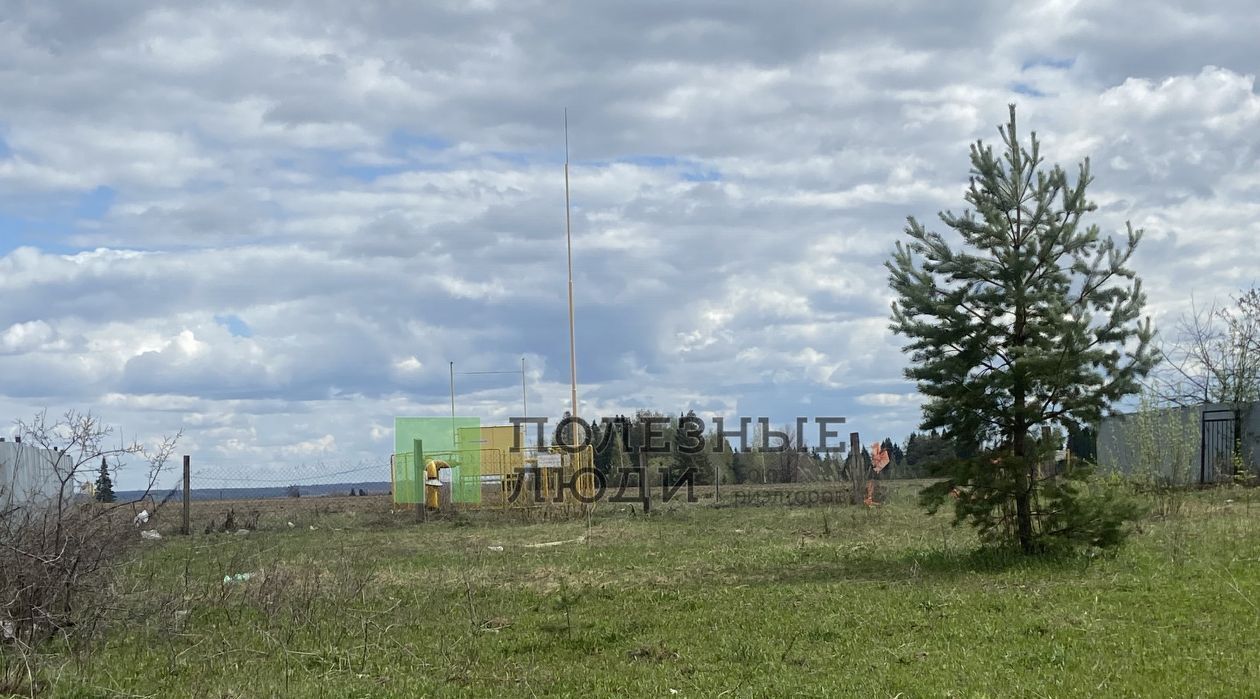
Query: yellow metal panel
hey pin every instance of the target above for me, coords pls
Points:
(496, 443)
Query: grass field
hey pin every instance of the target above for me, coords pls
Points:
(695, 601)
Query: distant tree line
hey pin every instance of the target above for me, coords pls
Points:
(917, 456)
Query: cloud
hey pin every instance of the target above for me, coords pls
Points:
(21, 338)
(311, 447)
(270, 227)
(886, 400)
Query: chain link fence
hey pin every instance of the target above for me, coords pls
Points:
(230, 496)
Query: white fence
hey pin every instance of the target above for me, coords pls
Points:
(27, 476)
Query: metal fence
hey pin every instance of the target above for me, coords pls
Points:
(222, 480)
(493, 477)
(1196, 444)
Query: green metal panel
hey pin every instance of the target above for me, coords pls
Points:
(440, 439)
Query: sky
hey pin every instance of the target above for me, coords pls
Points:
(273, 225)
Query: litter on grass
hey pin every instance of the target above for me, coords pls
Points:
(547, 544)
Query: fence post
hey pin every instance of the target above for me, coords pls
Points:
(422, 490)
(717, 481)
(186, 527)
(1045, 464)
(857, 469)
(644, 482)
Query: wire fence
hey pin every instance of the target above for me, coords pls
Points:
(228, 481)
(237, 497)
(232, 495)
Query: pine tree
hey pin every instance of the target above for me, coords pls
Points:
(739, 467)
(605, 440)
(104, 485)
(1034, 319)
(929, 450)
(1083, 443)
(694, 464)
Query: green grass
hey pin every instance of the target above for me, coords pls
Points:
(694, 601)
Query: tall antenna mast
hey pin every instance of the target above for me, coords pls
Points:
(568, 237)
(453, 439)
(524, 392)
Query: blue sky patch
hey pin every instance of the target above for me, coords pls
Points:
(403, 140)
(705, 175)
(1026, 89)
(526, 158)
(1047, 62)
(46, 222)
(411, 150)
(234, 325)
(369, 173)
(11, 232)
(96, 203)
(47, 235)
(650, 160)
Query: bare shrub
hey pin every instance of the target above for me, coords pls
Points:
(1213, 355)
(59, 553)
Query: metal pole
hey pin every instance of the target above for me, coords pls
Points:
(568, 237)
(1046, 462)
(1202, 445)
(186, 527)
(421, 488)
(857, 468)
(1235, 449)
(645, 484)
(717, 479)
(452, 406)
(524, 393)
(574, 457)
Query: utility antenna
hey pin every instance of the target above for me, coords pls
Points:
(453, 439)
(568, 237)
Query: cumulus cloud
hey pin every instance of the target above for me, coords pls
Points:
(274, 228)
(21, 338)
(889, 399)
